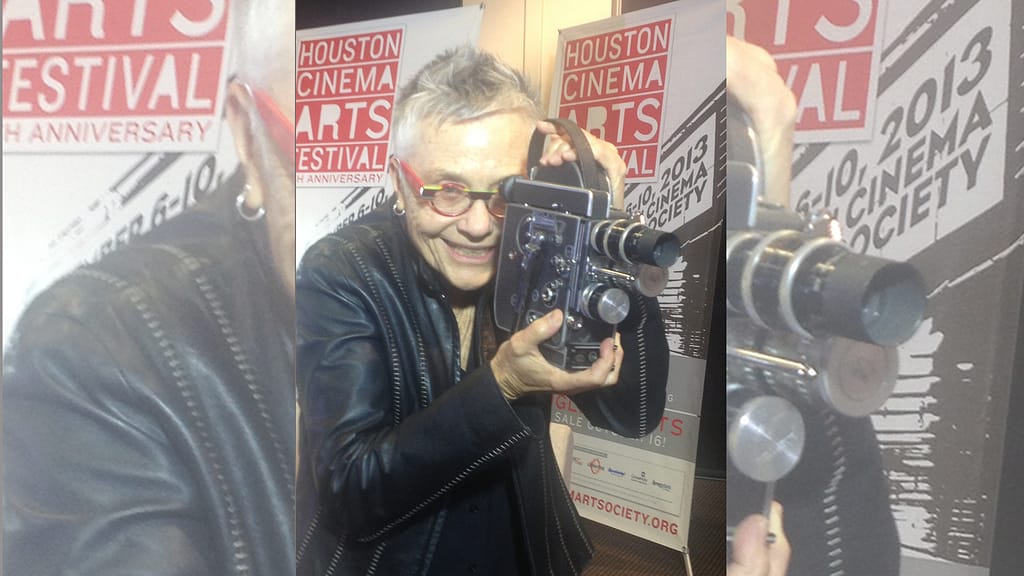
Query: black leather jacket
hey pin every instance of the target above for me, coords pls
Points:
(149, 411)
(391, 428)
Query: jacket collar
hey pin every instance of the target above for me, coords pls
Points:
(427, 279)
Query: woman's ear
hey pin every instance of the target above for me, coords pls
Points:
(394, 172)
(238, 106)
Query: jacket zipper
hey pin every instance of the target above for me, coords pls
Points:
(304, 545)
(830, 504)
(239, 558)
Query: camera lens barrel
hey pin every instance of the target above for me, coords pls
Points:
(632, 242)
(815, 286)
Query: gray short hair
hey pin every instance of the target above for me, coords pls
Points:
(262, 41)
(462, 83)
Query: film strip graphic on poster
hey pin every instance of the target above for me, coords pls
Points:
(934, 183)
(688, 200)
(946, 416)
(153, 190)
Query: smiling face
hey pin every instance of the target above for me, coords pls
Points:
(477, 154)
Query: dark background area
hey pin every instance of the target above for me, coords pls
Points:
(315, 13)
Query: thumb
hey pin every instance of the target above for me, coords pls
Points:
(749, 552)
(543, 328)
(546, 127)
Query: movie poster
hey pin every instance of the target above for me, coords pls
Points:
(935, 179)
(628, 80)
(347, 78)
(828, 54)
(112, 126)
(113, 76)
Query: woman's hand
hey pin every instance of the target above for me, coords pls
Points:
(751, 554)
(559, 150)
(520, 368)
(752, 77)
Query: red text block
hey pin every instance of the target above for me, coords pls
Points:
(613, 85)
(130, 62)
(825, 52)
(344, 93)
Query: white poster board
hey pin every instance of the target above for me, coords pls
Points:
(652, 83)
(112, 126)
(347, 78)
(934, 178)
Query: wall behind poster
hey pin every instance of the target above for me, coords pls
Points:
(623, 79)
(934, 178)
(112, 126)
(347, 77)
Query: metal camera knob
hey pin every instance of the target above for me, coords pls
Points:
(549, 294)
(605, 303)
(765, 437)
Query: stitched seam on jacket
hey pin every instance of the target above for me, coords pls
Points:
(421, 361)
(396, 369)
(574, 515)
(451, 484)
(304, 545)
(240, 561)
(335, 557)
(830, 503)
(545, 507)
(553, 511)
(377, 553)
(240, 358)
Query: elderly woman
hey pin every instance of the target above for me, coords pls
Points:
(424, 440)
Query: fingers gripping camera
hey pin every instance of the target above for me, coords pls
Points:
(564, 247)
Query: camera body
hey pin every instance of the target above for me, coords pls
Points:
(564, 247)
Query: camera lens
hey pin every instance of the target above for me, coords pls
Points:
(815, 287)
(631, 242)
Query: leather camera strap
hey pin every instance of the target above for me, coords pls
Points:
(589, 170)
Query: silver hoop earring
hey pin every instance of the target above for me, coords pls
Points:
(399, 211)
(243, 211)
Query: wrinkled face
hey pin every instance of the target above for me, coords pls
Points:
(477, 154)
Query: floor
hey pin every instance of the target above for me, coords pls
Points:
(621, 554)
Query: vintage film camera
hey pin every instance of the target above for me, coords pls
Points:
(564, 247)
(810, 326)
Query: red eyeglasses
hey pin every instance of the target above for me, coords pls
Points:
(452, 199)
